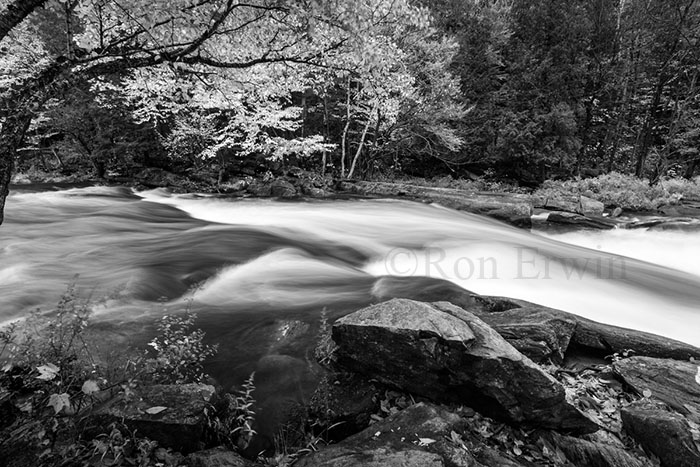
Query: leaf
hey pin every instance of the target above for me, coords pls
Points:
(90, 387)
(646, 393)
(47, 372)
(156, 410)
(517, 451)
(425, 441)
(59, 402)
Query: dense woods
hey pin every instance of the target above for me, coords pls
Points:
(512, 90)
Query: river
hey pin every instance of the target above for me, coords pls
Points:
(252, 269)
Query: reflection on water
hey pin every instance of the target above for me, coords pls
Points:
(252, 268)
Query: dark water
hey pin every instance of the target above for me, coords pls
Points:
(259, 272)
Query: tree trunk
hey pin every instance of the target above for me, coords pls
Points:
(362, 142)
(15, 13)
(644, 139)
(11, 137)
(343, 141)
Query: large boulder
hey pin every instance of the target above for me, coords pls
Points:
(663, 433)
(172, 415)
(445, 353)
(674, 382)
(282, 188)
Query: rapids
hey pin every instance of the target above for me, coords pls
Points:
(249, 268)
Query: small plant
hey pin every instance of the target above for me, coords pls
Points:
(232, 423)
(180, 351)
(325, 348)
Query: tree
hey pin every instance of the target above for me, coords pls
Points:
(209, 41)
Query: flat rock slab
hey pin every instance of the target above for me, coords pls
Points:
(673, 382)
(416, 436)
(217, 457)
(587, 453)
(173, 415)
(665, 434)
(445, 353)
(515, 209)
(517, 321)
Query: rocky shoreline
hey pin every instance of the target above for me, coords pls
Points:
(492, 382)
(443, 377)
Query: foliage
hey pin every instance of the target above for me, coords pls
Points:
(54, 373)
(615, 189)
(179, 351)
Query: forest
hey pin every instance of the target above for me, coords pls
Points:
(510, 90)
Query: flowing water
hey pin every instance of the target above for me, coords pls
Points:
(259, 272)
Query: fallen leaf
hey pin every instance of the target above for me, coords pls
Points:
(47, 372)
(90, 387)
(59, 402)
(155, 410)
(425, 441)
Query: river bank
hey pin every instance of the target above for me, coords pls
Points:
(614, 202)
(288, 252)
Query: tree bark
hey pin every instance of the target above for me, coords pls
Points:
(13, 130)
(15, 13)
(362, 142)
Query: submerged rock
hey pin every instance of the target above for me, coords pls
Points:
(445, 353)
(172, 415)
(665, 434)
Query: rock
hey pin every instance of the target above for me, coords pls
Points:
(590, 207)
(422, 289)
(396, 441)
(671, 381)
(445, 353)
(344, 399)
(557, 203)
(542, 334)
(288, 336)
(662, 433)
(177, 420)
(259, 188)
(616, 212)
(217, 457)
(519, 326)
(587, 453)
(591, 336)
(8, 411)
(233, 186)
(282, 188)
(569, 218)
(515, 209)
(158, 178)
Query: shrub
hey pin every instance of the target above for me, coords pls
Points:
(51, 376)
(179, 351)
(613, 189)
